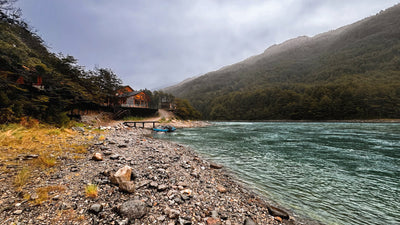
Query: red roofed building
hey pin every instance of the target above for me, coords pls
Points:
(132, 99)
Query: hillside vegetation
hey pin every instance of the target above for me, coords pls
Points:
(39, 84)
(349, 73)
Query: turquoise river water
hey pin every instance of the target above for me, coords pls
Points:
(333, 173)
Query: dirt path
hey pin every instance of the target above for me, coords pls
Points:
(162, 113)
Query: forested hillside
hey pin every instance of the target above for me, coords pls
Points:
(349, 73)
(39, 84)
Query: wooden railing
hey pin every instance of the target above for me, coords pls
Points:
(129, 124)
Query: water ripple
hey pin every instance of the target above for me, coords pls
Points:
(335, 173)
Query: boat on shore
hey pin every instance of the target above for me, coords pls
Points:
(167, 128)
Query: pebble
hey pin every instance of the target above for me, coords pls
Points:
(96, 208)
(249, 221)
(184, 221)
(221, 189)
(215, 166)
(277, 212)
(127, 186)
(17, 212)
(213, 221)
(172, 213)
(167, 184)
(162, 187)
(153, 184)
(74, 169)
(97, 156)
(114, 156)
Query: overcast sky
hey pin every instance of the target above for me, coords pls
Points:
(156, 43)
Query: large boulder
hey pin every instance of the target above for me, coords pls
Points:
(123, 174)
(133, 209)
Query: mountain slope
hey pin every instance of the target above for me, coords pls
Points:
(39, 84)
(351, 72)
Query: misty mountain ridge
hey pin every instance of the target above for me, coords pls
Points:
(366, 53)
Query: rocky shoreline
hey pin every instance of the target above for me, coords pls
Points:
(140, 180)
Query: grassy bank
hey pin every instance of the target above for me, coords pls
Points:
(28, 151)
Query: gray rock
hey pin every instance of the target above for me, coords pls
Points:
(153, 184)
(97, 156)
(79, 129)
(107, 153)
(162, 187)
(185, 197)
(133, 175)
(249, 221)
(74, 169)
(274, 211)
(172, 213)
(161, 218)
(215, 166)
(214, 214)
(143, 183)
(133, 209)
(34, 196)
(115, 156)
(123, 174)
(65, 206)
(123, 222)
(27, 157)
(96, 208)
(104, 148)
(184, 221)
(127, 186)
(17, 212)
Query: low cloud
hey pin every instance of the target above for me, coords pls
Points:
(151, 44)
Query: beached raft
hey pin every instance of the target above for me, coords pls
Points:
(164, 129)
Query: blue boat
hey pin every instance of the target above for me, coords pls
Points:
(164, 129)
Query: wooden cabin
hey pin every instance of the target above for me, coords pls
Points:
(123, 90)
(18, 79)
(132, 99)
(39, 83)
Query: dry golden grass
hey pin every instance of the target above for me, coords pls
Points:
(43, 193)
(67, 216)
(22, 178)
(102, 138)
(48, 143)
(91, 191)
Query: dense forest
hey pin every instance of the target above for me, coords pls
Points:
(39, 84)
(35, 83)
(349, 73)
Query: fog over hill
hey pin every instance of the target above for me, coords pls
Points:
(333, 75)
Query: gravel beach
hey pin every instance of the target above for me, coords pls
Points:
(140, 180)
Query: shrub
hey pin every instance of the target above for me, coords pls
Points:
(91, 191)
(29, 122)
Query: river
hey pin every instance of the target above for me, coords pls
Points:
(333, 173)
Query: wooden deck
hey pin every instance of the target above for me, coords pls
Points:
(129, 124)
